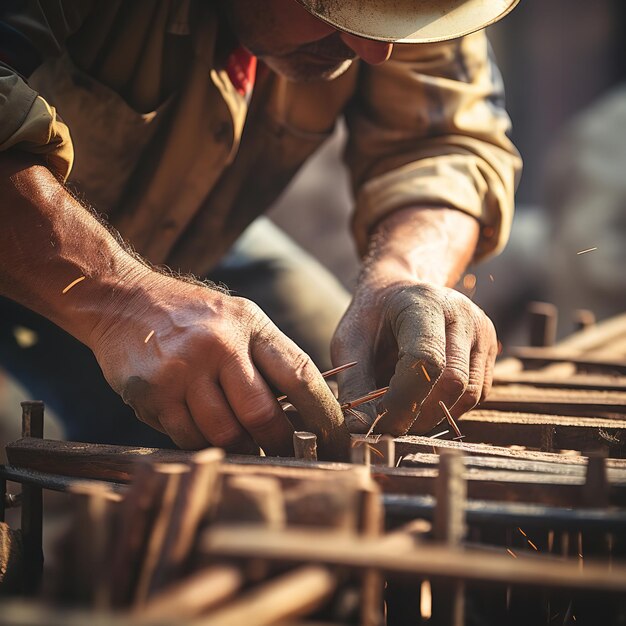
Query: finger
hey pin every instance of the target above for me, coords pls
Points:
(481, 369)
(453, 381)
(138, 394)
(292, 371)
(472, 394)
(215, 419)
(358, 381)
(256, 408)
(489, 369)
(475, 387)
(176, 421)
(420, 333)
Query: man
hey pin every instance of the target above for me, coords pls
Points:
(182, 141)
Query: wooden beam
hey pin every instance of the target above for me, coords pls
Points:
(555, 401)
(425, 459)
(294, 594)
(404, 506)
(412, 444)
(529, 429)
(596, 337)
(538, 357)
(71, 459)
(87, 460)
(424, 561)
(579, 382)
(193, 595)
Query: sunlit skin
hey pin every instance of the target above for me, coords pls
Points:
(296, 44)
(201, 365)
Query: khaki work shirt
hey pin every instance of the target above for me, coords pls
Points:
(130, 102)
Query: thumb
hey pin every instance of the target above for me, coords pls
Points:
(355, 382)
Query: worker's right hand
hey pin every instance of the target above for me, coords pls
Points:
(197, 364)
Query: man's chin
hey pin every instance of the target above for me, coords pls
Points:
(306, 72)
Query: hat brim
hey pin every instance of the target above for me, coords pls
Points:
(409, 21)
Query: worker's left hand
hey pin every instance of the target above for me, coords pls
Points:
(428, 343)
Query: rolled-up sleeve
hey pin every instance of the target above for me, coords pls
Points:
(30, 124)
(31, 32)
(429, 128)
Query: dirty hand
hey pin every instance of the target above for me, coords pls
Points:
(429, 344)
(197, 364)
(408, 329)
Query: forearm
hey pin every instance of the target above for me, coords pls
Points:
(421, 245)
(178, 353)
(48, 241)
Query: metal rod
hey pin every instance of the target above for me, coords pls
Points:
(405, 507)
(459, 434)
(32, 505)
(401, 507)
(372, 395)
(327, 374)
(53, 482)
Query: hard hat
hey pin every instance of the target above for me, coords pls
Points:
(409, 21)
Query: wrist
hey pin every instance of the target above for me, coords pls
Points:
(143, 297)
(92, 304)
(420, 245)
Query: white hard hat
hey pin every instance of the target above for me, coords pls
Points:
(409, 21)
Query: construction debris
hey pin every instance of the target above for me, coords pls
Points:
(521, 522)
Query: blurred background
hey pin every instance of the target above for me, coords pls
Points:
(564, 66)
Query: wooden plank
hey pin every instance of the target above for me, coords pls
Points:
(192, 502)
(493, 484)
(405, 506)
(532, 429)
(87, 460)
(116, 463)
(194, 594)
(538, 357)
(555, 401)
(63, 458)
(291, 595)
(424, 459)
(595, 337)
(580, 382)
(39, 613)
(410, 444)
(424, 561)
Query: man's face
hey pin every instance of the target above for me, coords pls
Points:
(294, 43)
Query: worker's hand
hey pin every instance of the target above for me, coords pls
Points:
(428, 343)
(197, 364)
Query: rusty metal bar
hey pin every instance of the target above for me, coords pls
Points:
(32, 505)
(406, 507)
